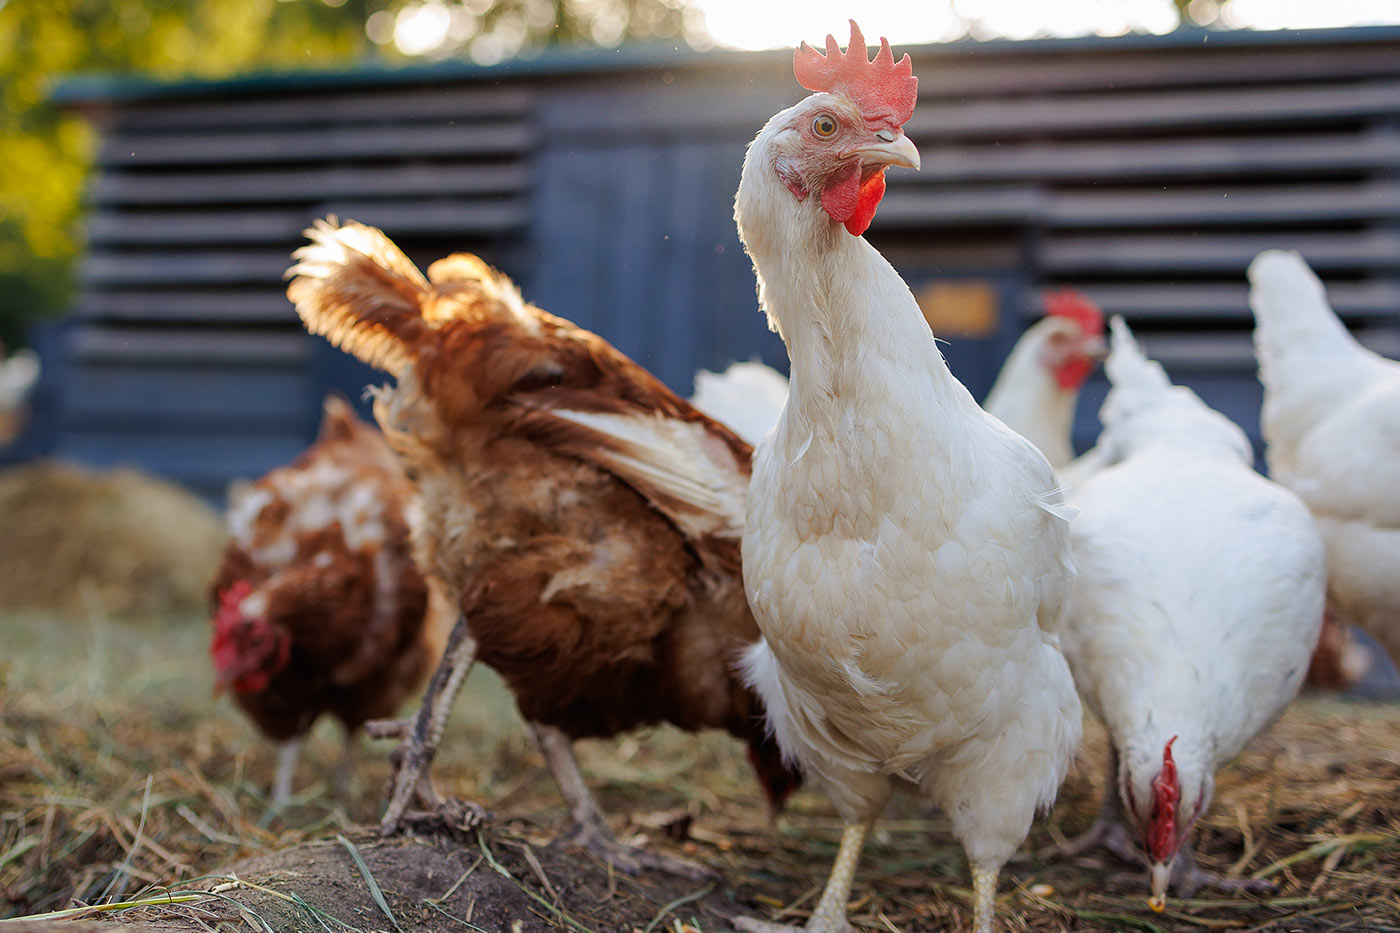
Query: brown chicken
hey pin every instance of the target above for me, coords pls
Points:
(584, 519)
(318, 605)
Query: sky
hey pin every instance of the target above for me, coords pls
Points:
(422, 28)
(758, 24)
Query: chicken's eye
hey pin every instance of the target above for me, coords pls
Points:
(824, 125)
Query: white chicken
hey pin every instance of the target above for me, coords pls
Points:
(1038, 386)
(18, 375)
(1035, 393)
(906, 554)
(746, 397)
(1198, 602)
(1331, 422)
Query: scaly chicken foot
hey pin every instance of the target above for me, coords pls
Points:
(1108, 833)
(1188, 878)
(420, 745)
(829, 916)
(590, 829)
(1110, 829)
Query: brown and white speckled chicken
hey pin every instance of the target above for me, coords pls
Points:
(318, 605)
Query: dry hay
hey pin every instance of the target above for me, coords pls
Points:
(75, 542)
(1312, 805)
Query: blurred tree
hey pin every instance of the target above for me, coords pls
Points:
(1199, 12)
(44, 153)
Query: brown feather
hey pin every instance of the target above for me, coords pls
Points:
(579, 583)
(325, 545)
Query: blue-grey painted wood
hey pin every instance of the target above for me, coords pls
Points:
(1145, 171)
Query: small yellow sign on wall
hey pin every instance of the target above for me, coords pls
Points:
(965, 308)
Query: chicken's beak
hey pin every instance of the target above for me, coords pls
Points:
(1161, 874)
(892, 149)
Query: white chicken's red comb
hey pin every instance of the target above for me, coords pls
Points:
(883, 89)
(1068, 303)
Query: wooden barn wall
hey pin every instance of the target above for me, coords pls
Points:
(1144, 171)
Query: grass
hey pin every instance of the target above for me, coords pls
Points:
(121, 773)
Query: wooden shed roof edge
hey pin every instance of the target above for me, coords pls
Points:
(81, 90)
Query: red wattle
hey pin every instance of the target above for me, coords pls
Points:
(841, 193)
(870, 194)
(847, 200)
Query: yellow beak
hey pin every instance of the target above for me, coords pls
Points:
(897, 151)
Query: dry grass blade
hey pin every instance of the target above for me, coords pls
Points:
(505, 873)
(70, 913)
(368, 875)
(678, 902)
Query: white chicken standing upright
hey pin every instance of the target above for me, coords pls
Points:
(1197, 606)
(1331, 420)
(906, 554)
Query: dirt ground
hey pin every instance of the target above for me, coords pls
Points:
(122, 778)
(1313, 806)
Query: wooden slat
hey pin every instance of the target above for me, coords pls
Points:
(323, 144)
(204, 228)
(188, 346)
(1157, 253)
(1171, 206)
(184, 268)
(1112, 112)
(472, 103)
(312, 183)
(952, 72)
(1193, 301)
(204, 306)
(1164, 159)
(450, 219)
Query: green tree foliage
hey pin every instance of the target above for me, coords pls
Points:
(45, 152)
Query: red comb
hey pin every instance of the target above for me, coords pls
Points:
(1166, 792)
(883, 89)
(1068, 303)
(229, 599)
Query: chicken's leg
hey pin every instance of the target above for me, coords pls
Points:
(420, 745)
(984, 897)
(590, 828)
(1187, 878)
(1110, 830)
(829, 916)
(288, 754)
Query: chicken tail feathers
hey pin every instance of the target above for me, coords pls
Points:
(354, 287)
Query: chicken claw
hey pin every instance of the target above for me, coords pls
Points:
(1188, 878)
(1107, 833)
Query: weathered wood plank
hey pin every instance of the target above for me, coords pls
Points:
(1194, 301)
(316, 144)
(1155, 253)
(959, 71)
(465, 103)
(1172, 206)
(184, 229)
(265, 349)
(1169, 111)
(252, 305)
(184, 268)
(1155, 159)
(263, 185)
